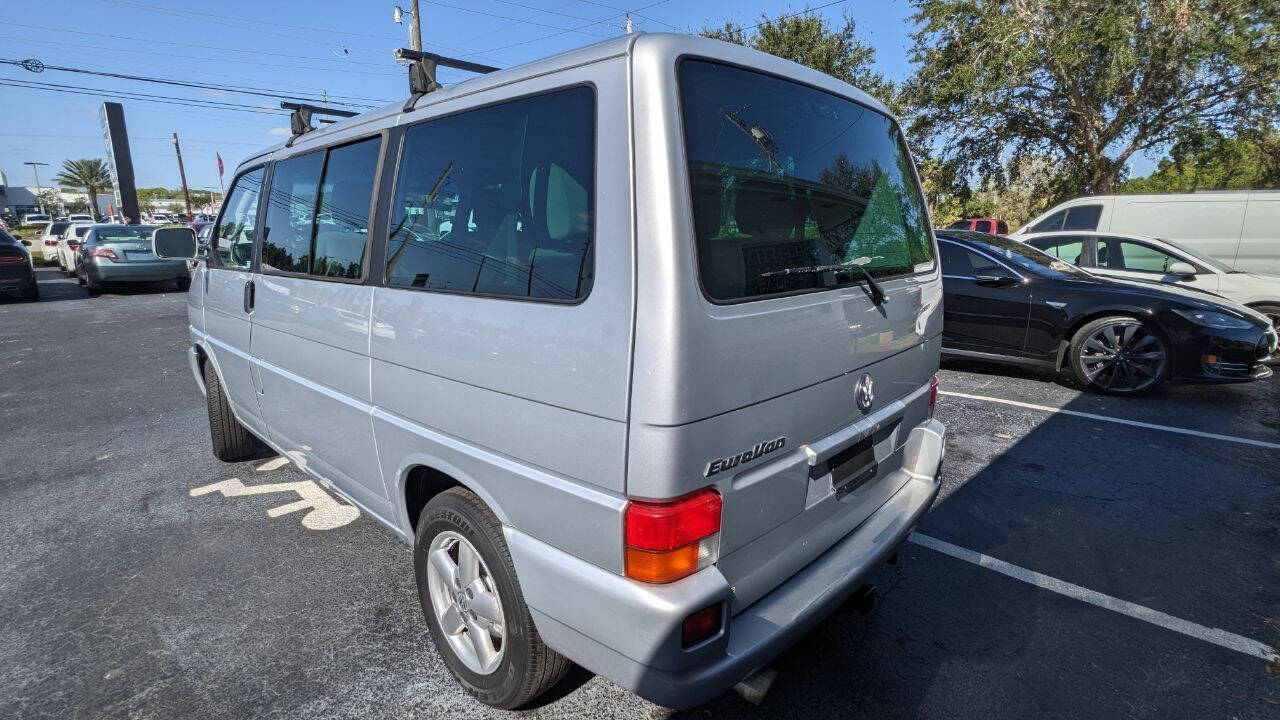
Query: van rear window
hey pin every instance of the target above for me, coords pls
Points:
(789, 178)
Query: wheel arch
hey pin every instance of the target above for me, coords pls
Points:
(422, 478)
(1064, 342)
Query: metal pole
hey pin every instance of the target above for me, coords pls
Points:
(36, 171)
(415, 28)
(186, 196)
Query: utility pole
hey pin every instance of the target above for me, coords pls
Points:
(628, 23)
(186, 196)
(36, 171)
(415, 28)
(415, 25)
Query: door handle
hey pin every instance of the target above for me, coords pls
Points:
(248, 296)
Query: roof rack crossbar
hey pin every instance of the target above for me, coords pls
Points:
(300, 118)
(422, 72)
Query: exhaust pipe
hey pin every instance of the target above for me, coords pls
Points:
(755, 686)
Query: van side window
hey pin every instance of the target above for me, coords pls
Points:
(286, 234)
(342, 221)
(1082, 217)
(498, 201)
(1051, 223)
(232, 243)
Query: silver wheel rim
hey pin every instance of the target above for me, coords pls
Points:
(466, 603)
(1274, 317)
(1123, 357)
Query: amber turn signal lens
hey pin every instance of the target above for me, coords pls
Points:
(662, 567)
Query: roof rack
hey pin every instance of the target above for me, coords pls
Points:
(300, 118)
(422, 72)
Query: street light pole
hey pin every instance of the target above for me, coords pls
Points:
(36, 171)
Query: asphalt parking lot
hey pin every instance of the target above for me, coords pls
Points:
(1046, 582)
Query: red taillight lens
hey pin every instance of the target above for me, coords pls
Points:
(107, 253)
(700, 625)
(12, 259)
(933, 396)
(671, 540)
(73, 246)
(51, 243)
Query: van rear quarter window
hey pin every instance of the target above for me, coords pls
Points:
(785, 176)
(499, 200)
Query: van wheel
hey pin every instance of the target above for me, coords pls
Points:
(471, 598)
(1119, 356)
(231, 441)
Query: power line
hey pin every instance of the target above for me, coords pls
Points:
(623, 10)
(259, 92)
(141, 97)
(562, 32)
(524, 21)
(806, 11)
(131, 138)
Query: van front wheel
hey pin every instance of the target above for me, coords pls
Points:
(471, 598)
(231, 441)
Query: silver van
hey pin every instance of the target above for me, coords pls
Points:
(635, 345)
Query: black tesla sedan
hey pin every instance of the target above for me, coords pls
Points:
(16, 273)
(1009, 302)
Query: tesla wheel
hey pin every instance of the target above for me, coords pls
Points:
(471, 598)
(1272, 311)
(231, 441)
(1119, 355)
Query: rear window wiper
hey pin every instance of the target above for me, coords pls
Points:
(877, 295)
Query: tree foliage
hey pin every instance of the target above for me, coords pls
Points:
(810, 40)
(91, 175)
(1209, 161)
(1085, 83)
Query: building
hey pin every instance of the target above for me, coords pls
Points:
(18, 200)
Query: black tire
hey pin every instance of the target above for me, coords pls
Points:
(1151, 378)
(1271, 310)
(184, 284)
(32, 293)
(231, 441)
(92, 286)
(528, 667)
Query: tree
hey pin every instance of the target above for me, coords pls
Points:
(1209, 161)
(91, 175)
(810, 40)
(1086, 83)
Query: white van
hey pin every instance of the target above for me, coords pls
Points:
(634, 345)
(1239, 228)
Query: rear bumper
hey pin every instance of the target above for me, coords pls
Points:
(135, 272)
(630, 631)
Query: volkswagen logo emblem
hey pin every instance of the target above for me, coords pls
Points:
(864, 394)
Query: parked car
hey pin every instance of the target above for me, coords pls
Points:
(69, 244)
(1010, 302)
(36, 219)
(717, 358)
(159, 219)
(80, 217)
(1240, 229)
(123, 253)
(16, 272)
(994, 226)
(1148, 259)
(49, 241)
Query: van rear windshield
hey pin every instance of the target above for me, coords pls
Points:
(787, 177)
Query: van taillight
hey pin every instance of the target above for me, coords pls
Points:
(933, 396)
(667, 541)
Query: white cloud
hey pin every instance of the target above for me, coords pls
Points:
(278, 132)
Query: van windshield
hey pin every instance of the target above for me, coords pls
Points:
(787, 177)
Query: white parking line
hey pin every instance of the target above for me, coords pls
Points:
(1216, 636)
(1121, 421)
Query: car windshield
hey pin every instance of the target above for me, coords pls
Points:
(58, 228)
(1025, 256)
(1202, 259)
(785, 177)
(137, 233)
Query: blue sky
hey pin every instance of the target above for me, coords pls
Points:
(314, 47)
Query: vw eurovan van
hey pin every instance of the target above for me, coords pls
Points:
(635, 345)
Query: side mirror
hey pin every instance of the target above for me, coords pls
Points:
(1184, 269)
(996, 280)
(173, 243)
(24, 242)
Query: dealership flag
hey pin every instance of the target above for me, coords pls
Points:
(219, 164)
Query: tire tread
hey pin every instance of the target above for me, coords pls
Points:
(231, 441)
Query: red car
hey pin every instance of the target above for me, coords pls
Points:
(992, 226)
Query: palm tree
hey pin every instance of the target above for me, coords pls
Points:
(90, 174)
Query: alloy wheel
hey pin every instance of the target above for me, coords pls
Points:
(1123, 357)
(466, 603)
